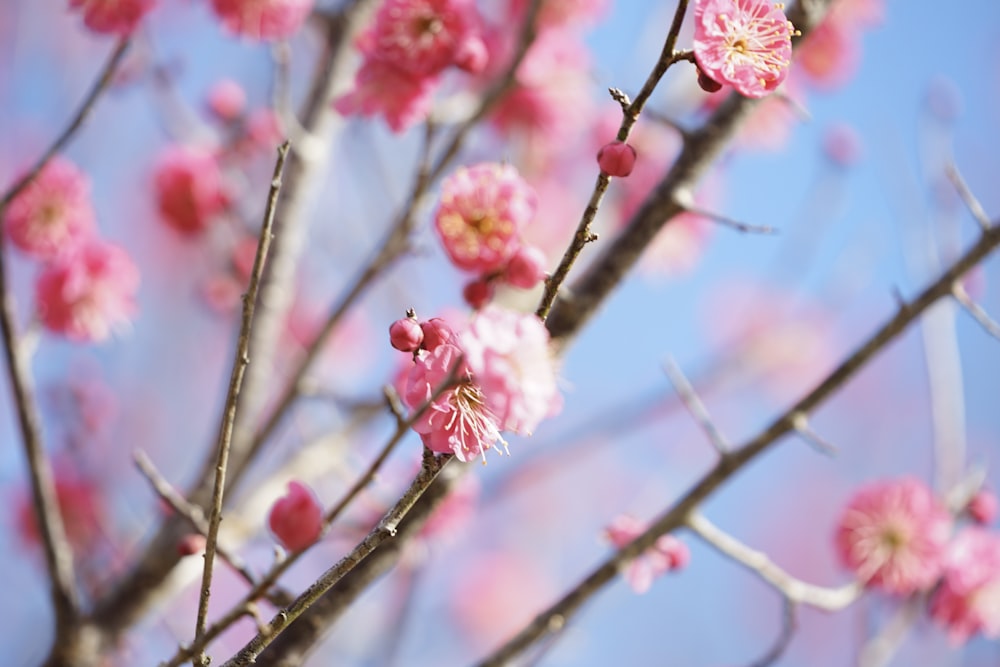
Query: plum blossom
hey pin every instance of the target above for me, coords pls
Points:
(296, 519)
(423, 37)
(667, 554)
(893, 534)
(482, 211)
(744, 43)
(265, 20)
(508, 354)
(381, 88)
(116, 17)
(557, 13)
(87, 294)
(189, 186)
(968, 600)
(53, 213)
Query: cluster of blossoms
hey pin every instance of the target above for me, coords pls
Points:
(115, 17)
(896, 536)
(87, 286)
(405, 52)
(667, 555)
(482, 213)
(266, 20)
(502, 375)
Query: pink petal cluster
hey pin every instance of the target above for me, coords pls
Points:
(508, 354)
(410, 44)
(116, 17)
(296, 519)
(189, 187)
(828, 57)
(667, 554)
(87, 294)
(53, 213)
(894, 534)
(265, 20)
(744, 43)
(967, 602)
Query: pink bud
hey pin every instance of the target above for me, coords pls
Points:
(296, 519)
(227, 100)
(406, 335)
(842, 145)
(478, 293)
(707, 83)
(472, 55)
(616, 159)
(436, 331)
(983, 507)
(526, 268)
(191, 544)
(676, 551)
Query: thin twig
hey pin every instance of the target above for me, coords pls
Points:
(788, 627)
(814, 439)
(694, 406)
(978, 312)
(971, 202)
(240, 362)
(878, 650)
(739, 226)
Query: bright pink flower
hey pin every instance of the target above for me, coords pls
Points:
(893, 534)
(263, 19)
(227, 100)
(744, 43)
(190, 190)
(119, 17)
(406, 335)
(526, 268)
(508, 354)
(423, 37)
(53, 214)
(296, 519)
(616, 159)
(382, 88)
(668, 553)
(87, 294)
(968, 600)
(983, 507)
(482, 211)
(458, 421)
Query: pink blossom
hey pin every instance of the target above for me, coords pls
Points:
(508, 354)
(53, 213)
(189, 186)
(80, 505)
(744, 43)
(423, 37)
(829, 55)
(264, 129)
(968, 600)
(88, 293)
(437, 331)
(227, 100)
(478, 292)
(667, 554)
(458, 421)
(263, 19)
(893, 534)
(557, 13)
(482, 211)
(296, 519)
(382, 88)
(526, 268)
(118, 17)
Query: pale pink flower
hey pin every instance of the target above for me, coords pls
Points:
(381, 88)
(744, 43)
(53, 213)
(894, 534)
(458, 421)
(423, 37)
(968, 600)
(828, 57)
(667, 554)
(263, 19)
(264, 129)
(557, 13)
(296, 519)
(118, 17)
(190, 190)
(482, 211)
(508, 354)
(87, 294)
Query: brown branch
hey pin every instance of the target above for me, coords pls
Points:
(559, 613)
(240, 362)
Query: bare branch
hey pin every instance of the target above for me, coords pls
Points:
(815, 440)
(788, 627)
(878, 650)
(978, 312)
(975, 208)
(694, 405)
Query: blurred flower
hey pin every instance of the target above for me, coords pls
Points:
(968, 600)
(668, 553)
(227, 100)
(983, 507)
(893, 534)
(190, 190)
(88, 293)
(557, 13)
(381, 88)
(118, 17)
(423, 37)
(263, 19)
(53, 213)
(842, 145)
(79, 504)
(526, 267)
(296, 519)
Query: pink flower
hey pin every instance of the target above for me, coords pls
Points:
(667, 554)
(829, 55)
(744, 43)
(119, 17)
(526, 268)
(508, 354)
(227, 100)
(88, 293)
(556, 13)
(53, 213)
(437, 331)
(296, 519)
(968, 600)
(423, 37)
(263, 19)
(458, 421)
(478, 293)
(482, 211)
(893, 534)
(80, 505)
(189, 188)
(382, 88)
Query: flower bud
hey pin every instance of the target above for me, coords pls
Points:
(526, 268)
(478, 293)
(675, 551)
(227, 100)
(296, 519)
(983, 507)
(406, 335)
(707, 83)
(616, 159)
(472, 56)
(191, 544)
(436, 331)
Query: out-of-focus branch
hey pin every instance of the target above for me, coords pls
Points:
(971, 202)
(978, 313)
(878, 650)
(788, 627)
(694, 406)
